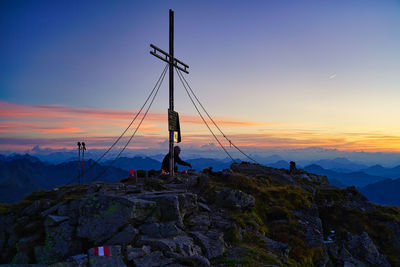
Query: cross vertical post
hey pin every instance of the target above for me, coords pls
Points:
(173, 63)
(171, 90)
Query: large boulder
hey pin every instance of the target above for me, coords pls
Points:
(235, 199)
(356, 250)
(211, 242)
(311, 225)
(126, 236)
(182, 245)
(159, 230)
(59, 243)
(155, 258)
(173, 206)
(101, 217)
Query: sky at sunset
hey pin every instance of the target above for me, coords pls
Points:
(274, 74)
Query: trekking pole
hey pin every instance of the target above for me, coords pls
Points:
(83, 155)
(79, 161)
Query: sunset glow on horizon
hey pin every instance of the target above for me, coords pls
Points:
(59, 127)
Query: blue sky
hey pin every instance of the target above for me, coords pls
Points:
(309, 70)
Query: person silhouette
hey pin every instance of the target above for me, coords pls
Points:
(177, 159)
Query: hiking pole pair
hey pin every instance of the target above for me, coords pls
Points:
(80, 164)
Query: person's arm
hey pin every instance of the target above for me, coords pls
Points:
(181, 162)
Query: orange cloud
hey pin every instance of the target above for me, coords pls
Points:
(103, 126)
(55, 119)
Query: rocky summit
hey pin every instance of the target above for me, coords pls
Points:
(247, 215)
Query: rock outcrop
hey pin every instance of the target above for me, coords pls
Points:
(249, 215)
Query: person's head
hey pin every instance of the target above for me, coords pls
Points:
(177, 150)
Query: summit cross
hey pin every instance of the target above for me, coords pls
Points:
(173, 62)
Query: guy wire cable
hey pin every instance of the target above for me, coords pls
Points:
(130, 124)
(204, 119)
(137, 128)
(230, 142)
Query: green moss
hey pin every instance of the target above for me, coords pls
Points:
(273, 217)
(111, 209)
(354, 221)
(255, 256)
(231, 235)
(226, 262)
(37, 195)
(186, 262)
(5, 208)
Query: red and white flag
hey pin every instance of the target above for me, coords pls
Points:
(102, 251)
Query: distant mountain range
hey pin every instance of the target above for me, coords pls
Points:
(383, 192)
(20, 175)
(358, 179)
(382, 171)
(339, 165)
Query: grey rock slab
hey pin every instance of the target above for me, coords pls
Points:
(311, 225)
(168, 229)
(155, 258)
(276, 246)
(174, 207)
(199, 221)
(199, 261)
(52, 209)
(52, 220)
(157, 243)
(32, 208)
(101, 217)
(158, 230)
(362, 247)
(151, 229)
(23, 265)
(235, 199)
(114, 261)
(211, 242)
(182, 245)
(133, 253)
(168, 206)
(80, 260)
(185, 246)
(59, 243)
(187, 203)
(70, 209)
(221, 220)
(63, 264)
(204, 207)
(124, 237)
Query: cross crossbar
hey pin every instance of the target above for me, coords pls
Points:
(167, 58)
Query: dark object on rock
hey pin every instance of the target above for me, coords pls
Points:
(235, 199)
(293, 169)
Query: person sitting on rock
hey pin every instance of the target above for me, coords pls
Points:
(177, 159)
